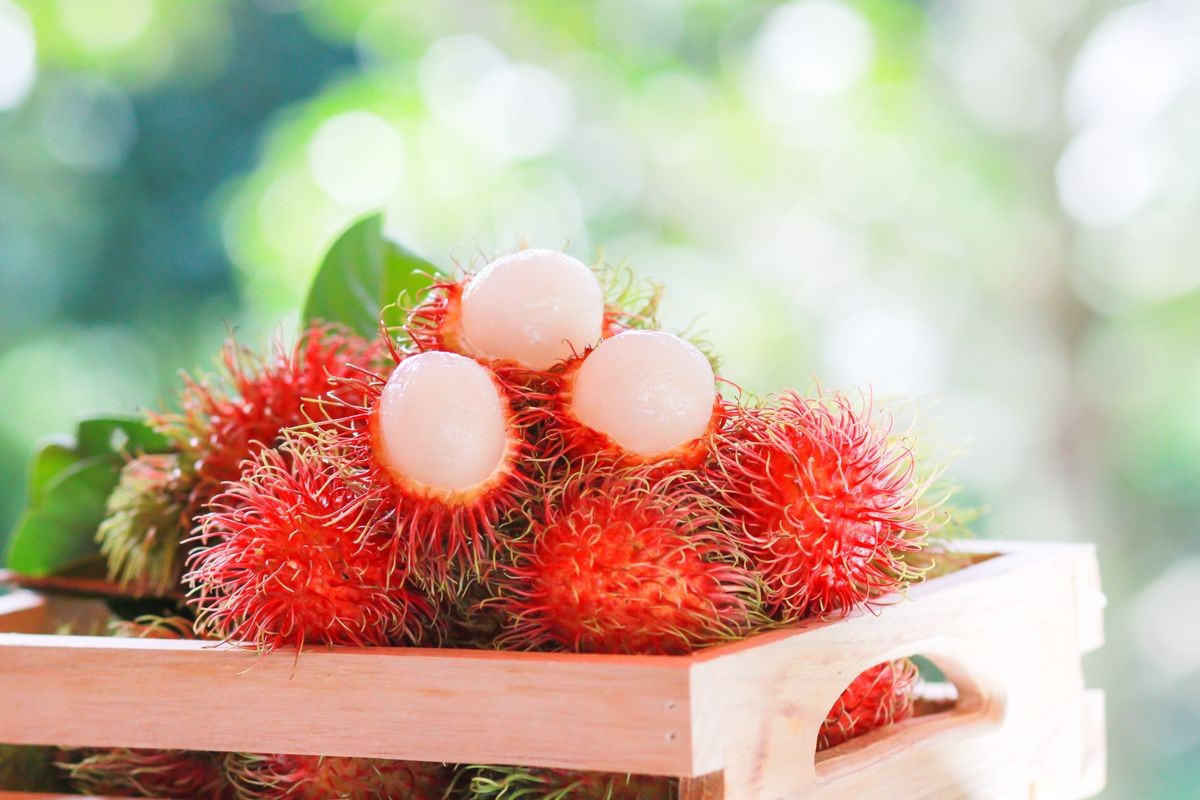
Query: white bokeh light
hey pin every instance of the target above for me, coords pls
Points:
(1104, 177)
(18, 55)
(357, 158)
(813, 47)
(1157, 632)
(1004, 82)
(876, 342)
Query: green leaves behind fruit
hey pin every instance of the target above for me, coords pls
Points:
(362, 274)
(69, 483)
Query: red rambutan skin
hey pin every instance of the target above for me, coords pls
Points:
(229, 419)
(824, 501)
(623, 561)
(123, 772)
(267, 777)
(878, 697)
(287, 558)
(431, 530)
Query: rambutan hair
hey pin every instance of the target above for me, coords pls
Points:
(126, 772)
(288, 557)
(824, 499)
(228, 419)
(435, 321)
(527, 783)
(624, 561)
(431, 530)
(300, 777)
(882, 695)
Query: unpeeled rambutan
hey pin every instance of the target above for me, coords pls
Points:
(145, 521)
(531, 783)
(532, 307)
(437, 452)
(126, 772)
(227, 420)
(297, 777)
(287, 558)
(638, 397)
(624, 561)
(824, 500)
(880, 696)
(28, 768)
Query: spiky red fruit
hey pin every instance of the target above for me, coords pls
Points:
(229, 419)
(438, 454)
(880, 696)
(825, 501)
(123, 772)
(270, 777)
(619, 561)
(526, 783)
(288, 561)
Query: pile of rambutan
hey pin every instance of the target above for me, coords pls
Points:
(528, 462)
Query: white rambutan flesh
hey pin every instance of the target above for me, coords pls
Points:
(648, 391)
(442, 422)
(535, 307)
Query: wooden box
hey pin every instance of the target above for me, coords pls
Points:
(738, 721)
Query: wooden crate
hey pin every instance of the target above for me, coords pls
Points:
(738, 721)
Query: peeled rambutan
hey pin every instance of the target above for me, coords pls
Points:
(824, 500)
(227, 420)
(624, 561)
(638, 397)
(438, 453)
(287, 557)
(880, 696)
(125, 772)
(532, 307)
(268, 777)
(146, 520)
(531, 783)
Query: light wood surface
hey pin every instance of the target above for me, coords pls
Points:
(738, 721)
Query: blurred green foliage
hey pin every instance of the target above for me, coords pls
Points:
(989, 205)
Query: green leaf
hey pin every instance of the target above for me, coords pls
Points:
(69, 485)
(362, 273)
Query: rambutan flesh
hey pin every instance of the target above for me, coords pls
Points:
(439, 452)
(146, 520)
(531, 783)
(639, 397)
(124, 772)
(533, 307)
(621, 561)
(882, 695)
(267, 777)
(287, 559)
(227, 420)
(824, 500)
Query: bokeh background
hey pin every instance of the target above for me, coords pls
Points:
(991, 205)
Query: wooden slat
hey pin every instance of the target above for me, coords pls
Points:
(613, 713)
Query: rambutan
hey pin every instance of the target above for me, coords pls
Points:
(438, 452)
(531, 783)
(638, 397)
(288, 558)
(27, 768)
(880, 696)
(125, 772)
(533, 307)
(824, 500)
(146, 520)
(268, 777)
(227, 420)
(624, 561)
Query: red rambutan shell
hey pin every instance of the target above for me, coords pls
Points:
(622, 561)
(124, 772)
(298, 777)
(288, 558)
(432, 529)
(878, 697)
(227, 420)
(823, 500)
